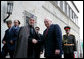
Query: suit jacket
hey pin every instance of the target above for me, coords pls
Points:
(9, 35)
(41, 42)
(15, 32)
(53, 40)
(70, 40)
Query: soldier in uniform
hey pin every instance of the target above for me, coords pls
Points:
(69, 43)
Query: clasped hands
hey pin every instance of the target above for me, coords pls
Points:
(34, 41)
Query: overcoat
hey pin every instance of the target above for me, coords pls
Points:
(52, 40)
(22, 43)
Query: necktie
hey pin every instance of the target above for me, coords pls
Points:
(46, 32)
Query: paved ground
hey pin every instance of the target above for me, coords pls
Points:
(42, 56)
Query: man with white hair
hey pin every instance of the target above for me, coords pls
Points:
(52, 39)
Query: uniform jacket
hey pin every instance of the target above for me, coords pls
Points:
(70, 40)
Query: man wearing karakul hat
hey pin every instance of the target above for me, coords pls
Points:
(27, 41)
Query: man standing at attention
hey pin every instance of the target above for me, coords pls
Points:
(69, 43)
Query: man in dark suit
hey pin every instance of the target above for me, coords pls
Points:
(16, 28)
(40, 45)
(9, 45)
(27, 43)
(53, 39)
(69, 43)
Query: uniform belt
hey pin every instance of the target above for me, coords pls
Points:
(68, 44)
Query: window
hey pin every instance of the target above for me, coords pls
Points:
(77, 20)
(67, 10)
(65, 7)
(61, 5)
(73, 17)
(56, 2)
(70, 13)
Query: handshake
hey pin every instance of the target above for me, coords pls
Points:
(34, 41)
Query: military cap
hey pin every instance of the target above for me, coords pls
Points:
(67, 27)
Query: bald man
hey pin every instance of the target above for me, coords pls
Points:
(52, 39)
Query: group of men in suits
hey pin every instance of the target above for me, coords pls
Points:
(10, 38)
(29, 43)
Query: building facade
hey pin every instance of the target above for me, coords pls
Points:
(61, 12)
